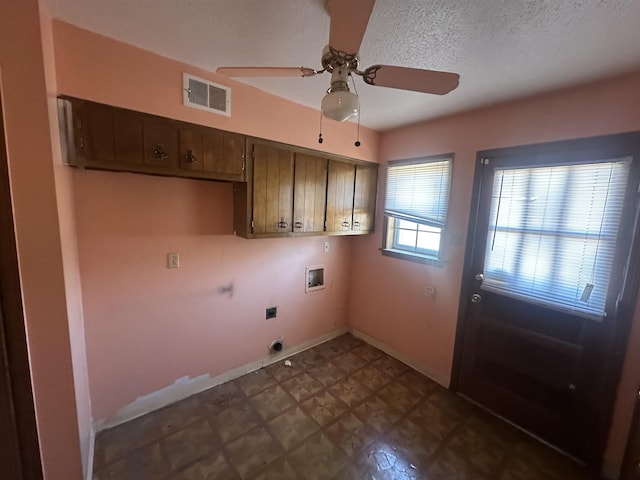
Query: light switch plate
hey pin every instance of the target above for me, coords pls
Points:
(173, 260)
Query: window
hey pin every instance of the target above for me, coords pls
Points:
(415, 209)
(553, 232)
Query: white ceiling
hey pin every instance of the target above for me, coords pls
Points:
(502, 49)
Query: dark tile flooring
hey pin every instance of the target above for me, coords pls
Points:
(344, 410)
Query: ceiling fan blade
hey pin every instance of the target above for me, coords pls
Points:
(349, 19)
(415, 79)
(266, 71)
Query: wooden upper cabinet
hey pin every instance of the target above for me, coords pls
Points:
(272, 189)
(212, 152)
(364, 199)
(310, 193)
(104, 137)
(340, 189)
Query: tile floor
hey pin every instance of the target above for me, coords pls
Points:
(344, 410)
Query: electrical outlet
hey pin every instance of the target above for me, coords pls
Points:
(173, 260)
(271, 312)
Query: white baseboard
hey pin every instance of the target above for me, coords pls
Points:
(88, 475)
(399, 356)
(185, 387)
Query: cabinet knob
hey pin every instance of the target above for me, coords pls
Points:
(356, 224)
(346, 224)
(283, 223)
(190, 157)
(298, 225)
(159, 153)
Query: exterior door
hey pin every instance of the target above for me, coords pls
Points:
(547, 297)
(19, 451)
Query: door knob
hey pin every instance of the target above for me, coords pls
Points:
(476, 298)
(479, 276)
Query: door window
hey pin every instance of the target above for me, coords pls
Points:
(552, 233)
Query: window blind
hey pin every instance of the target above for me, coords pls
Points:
(419, 191)
(553, 231)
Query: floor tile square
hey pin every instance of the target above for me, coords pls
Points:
(323, 408)
(292, 427)
(350, 391)
(253, 452)
(234, 421)
(213, 467)
(271, 402)
(318, 458)
(328, 373)
(302, 386)
(187, 446)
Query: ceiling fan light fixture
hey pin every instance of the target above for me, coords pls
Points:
(340, 105)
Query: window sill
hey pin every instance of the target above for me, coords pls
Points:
(412, 257)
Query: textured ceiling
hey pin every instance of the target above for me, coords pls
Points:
(502, 49)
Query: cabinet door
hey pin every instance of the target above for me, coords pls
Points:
(272, 189)
(364, 199)
(223, 155)
(191, 149)
(108, 136)
(340, 185)
(310, 190)
(160, 144)
(128, 138)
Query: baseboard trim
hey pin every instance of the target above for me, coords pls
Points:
(185, 387)
(399, 356)
(88, 475)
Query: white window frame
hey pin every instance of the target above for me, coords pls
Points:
(419, 214)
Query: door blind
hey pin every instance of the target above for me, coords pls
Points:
(552, 233)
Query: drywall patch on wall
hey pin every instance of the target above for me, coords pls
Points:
(185, 387)
(400, 357)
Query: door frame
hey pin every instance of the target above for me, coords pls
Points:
(630, 143)
(22, 451)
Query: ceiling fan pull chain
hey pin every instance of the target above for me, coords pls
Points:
(353, 82)
(320, 140)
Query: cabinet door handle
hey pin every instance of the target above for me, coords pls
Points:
(159, 153)
(282, 223)
(346, 224)
(298, 225)
(356, 224)
(190, 157)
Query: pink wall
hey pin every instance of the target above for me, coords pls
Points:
(147, 326)
(66, 217)
(386, 294)
(22, 80)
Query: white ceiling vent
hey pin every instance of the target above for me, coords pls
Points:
(206, 95)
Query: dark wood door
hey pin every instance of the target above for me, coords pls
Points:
(212, 152)
(364, 200)
(545, 309)
(19, 451)
(310, 193)
(272, 189)
(340, 189)
(631, 464)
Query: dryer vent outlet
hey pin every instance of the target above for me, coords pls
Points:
(277, 346)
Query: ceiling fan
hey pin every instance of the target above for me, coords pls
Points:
(349, 19)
